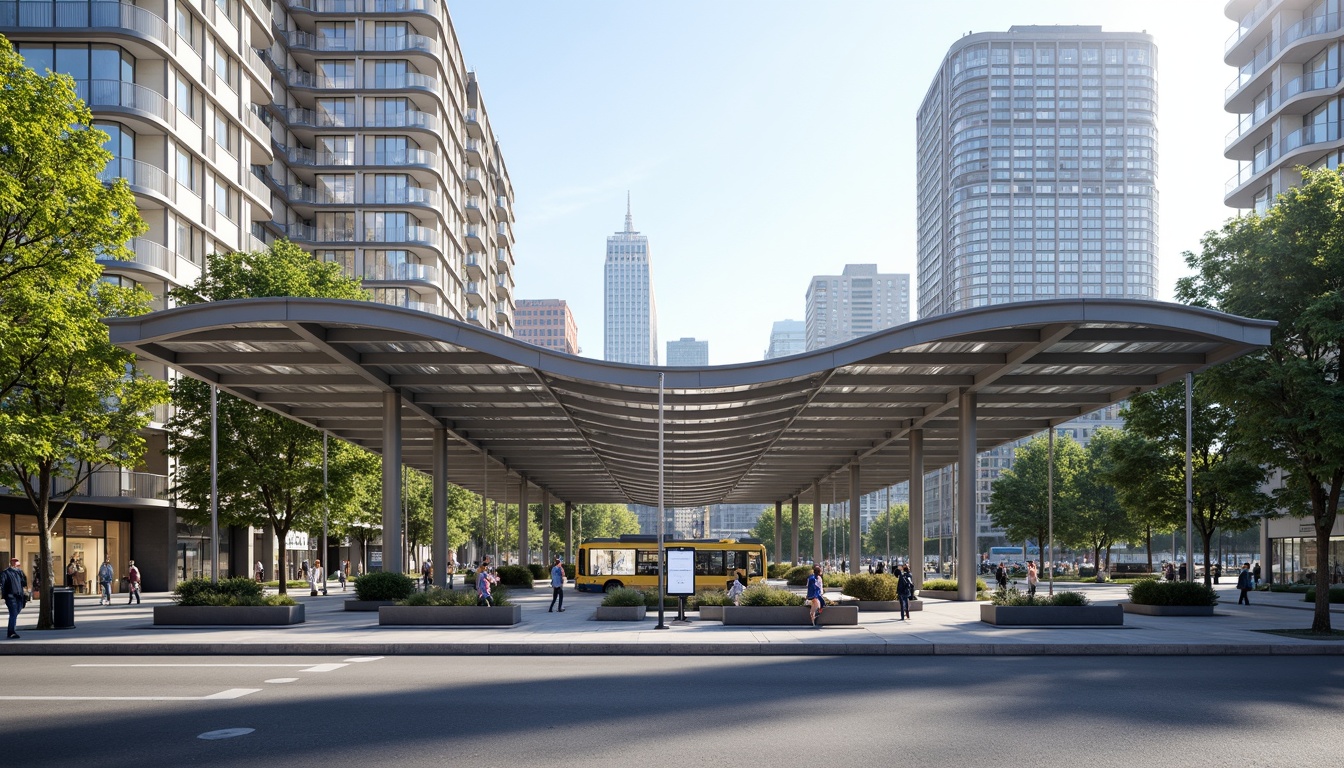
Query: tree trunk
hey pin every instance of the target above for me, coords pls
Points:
(1148, 545)
(1321, 621)
(283, 558)
(46, 571)
(1207, 536)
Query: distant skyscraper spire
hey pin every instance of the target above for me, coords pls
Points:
(629, 220)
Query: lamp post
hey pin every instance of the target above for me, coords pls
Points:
(214, 484)
(662, 551)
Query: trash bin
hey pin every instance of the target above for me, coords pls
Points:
(63, 608)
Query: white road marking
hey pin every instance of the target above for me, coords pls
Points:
(232, 693)
(192, 665)
(365, 658)
(226, 733)
(282, 679)
(324, 667)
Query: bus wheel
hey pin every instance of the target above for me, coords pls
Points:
(610, 585)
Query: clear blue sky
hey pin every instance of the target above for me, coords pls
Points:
(766, 142)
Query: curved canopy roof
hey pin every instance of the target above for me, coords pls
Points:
(587, 431)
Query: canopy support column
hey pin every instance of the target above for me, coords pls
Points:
(855, 539)
(524, 518)
(439, 544)
(779, 531)
(793, 504)
(816, 523)
(392, 544)
(916, 558)
(966, 472)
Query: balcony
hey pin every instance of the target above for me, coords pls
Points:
(418, 157)
(136, 21)
(473, 294)
(134, 98)
(115, 483)
(473, 149)
(347, 7)
(146, 255)
(502, 311)
(403, 196)
(1267, 158)
(472, 207)
(502, 261)
(473, 316)
(309, 234)
(419, 306)
(300, 193)
(502, 208)
(474, 179)
(300, 78)
(402, 272)
(471, 118)
(404, 81)
(503, 286)
(298, 116)
(408, 119)
(409, 234)
(313, 158)
(475, 237)
(1249, 22)
(1307, 83)
(1324, 24)
(503, 237)
(142, 176)
(474, 263)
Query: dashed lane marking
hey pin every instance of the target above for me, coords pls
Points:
(282, 680)
(225, 733)
(232, 693)
(323, 667)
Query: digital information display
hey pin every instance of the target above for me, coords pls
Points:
(681, 571)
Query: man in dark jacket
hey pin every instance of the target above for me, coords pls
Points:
(905, 590)
(1245, 583)
(14, 587)
(1001, 576)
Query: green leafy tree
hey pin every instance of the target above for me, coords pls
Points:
(1226, 481)
(56, 216)
(889, 531)
(270, 467)
(71, 404)
(1018, 501)
(1098, 518)
(765, 531)
(1140, 475)
(603, 521)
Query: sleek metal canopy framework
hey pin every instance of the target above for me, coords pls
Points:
(587, 431)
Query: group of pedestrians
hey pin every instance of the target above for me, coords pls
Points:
(816, 588)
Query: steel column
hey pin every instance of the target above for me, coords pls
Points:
(966, 549)
(793, 503)
(569, 531)
(817, 532)
(439, 545)
(855, 537)
(916, 558)
(524, 518)
(392, 545)
(779, 531)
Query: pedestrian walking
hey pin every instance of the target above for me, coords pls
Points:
(427, 575)
(315, 577)
(132, 583)
(451, 569)
(815, 588)
(1245, 583)
(303, 569)
(105, 575)
(484, 579)
(1032, 578)
(557, 585)
(905, 590)
(1180, 572)
(737, 586)
(260, 571)
(14, 588)
(1218, 572)
(1001, 576)
(1255, 574)
(340, 576)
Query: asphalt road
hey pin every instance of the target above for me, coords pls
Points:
(622, 711)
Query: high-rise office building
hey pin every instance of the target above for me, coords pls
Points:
(547, 323)
(854, 303)
(1286, 92)
(351, 128)
(630, 328)
(687, 351)
(787, 337)
(1036, 165)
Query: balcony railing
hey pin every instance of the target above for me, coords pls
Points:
(404, 80)
(404, 196)
(301, 78)
(78, 15)
(299, 193)
(116, 93)
(137, 174)
(422, 306)
(1306, 83)
(363, 6)
(419, 273)
(148, 253)
(409, 119)
(404, 157)
(109, 483)
(1327, 23)
(409, 234)
(1302, 137)
(1249, 21)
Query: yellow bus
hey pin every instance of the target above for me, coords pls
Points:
(632, 561)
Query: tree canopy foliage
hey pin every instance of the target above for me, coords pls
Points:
(1286, 265)
(1018, 501)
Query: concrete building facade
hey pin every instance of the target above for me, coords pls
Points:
(787, 337)
(351, 128)
(547, 323)
(630, 311)
(688, 351)
(854, 303)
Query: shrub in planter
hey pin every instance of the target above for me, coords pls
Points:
(237, 591)
(623, 597)
(777, 570)
(384, 585)
(876, 586)
(1336, 595)
(539, 571)
(651, 600)
(514, 576)
(760, 594)
(1014, 596)
(1279, 587)
(709, 597)
(1299, 589)
(835, 580)
(569, 570)
(1154, 592)
(950, 585)
(453, 597)
(797, 575)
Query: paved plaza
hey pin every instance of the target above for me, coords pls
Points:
(941, 628)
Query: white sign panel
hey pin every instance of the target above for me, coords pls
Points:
(681, 571)
(296, 540)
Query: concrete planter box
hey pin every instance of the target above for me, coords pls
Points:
(1052, 615)
(367, 605)
(788, 615)
(886, 606)
(938, 594)
(1168, 610)
(449, 615)
(621, 612)
(227, 615)
(711, 612)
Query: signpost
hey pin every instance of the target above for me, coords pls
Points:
(681, 576)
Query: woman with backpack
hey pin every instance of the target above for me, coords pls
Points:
(814, 594)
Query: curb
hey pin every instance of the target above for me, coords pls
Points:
(666, 649)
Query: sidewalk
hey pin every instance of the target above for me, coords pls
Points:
(941, 628)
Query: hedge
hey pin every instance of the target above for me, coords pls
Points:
(875, 586)
(514, 576)
(1154, 592)
(1336, 595)
(228, 592)
(384, 585)
(760, 594)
